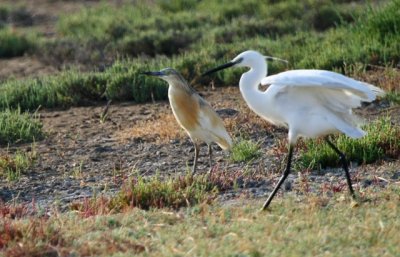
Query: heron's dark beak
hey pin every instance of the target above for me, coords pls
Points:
(152, 73)
(221, 67)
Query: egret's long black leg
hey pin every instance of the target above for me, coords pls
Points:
(281, 180)
(196, 156)
(344, 164)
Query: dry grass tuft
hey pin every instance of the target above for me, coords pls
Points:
(12, 165)
(15, 211)
(161, 129)
(154, 192)
(386, 78)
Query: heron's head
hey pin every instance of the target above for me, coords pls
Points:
(167, 74)
(173, 78)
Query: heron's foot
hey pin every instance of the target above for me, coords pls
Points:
(354, 204)
(264, 209)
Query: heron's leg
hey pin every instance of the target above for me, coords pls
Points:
(210, 155)
(344, 164)
(281, 180)
(196, 156)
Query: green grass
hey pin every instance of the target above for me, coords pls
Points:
(18, 127)
(173, 192)
(330, 37)
(13, 43)
(122, 41)
(15, 14)
(381, 142)
(244, 150)
(13, 165)
(316, 227)
(155, 192)
(100, 23)
(393, 97)
(72, 88)
(121, 81)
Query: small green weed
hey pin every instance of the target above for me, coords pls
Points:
(382, 141)
(245, 150)
(18, 127)
(77, 171)
(14, 44)
(172, 193)
(154, 192)
(393, 97)
(13, 165)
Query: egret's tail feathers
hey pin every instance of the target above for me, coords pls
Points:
(353, 132)
(376, 90)
(347, 126)
(356, 133)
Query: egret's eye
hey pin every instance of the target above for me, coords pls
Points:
(239, 60)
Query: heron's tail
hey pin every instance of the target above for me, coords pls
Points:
(224, 141)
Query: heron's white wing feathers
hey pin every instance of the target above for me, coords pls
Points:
(324, 79)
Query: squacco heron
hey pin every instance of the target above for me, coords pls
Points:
(194, 114)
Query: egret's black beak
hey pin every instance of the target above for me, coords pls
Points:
(152, 73)
(221, 67)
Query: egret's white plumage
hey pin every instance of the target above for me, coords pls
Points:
(310, 103)
(193, 113)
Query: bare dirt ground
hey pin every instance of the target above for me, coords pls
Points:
(84, 155)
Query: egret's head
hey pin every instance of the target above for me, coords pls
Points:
(248, 58)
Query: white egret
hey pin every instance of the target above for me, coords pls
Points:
(194, 114)
(310, 103)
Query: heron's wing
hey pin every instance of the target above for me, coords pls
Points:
(211, 123)
(321, 79)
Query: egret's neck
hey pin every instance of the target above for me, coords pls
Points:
(250, 81)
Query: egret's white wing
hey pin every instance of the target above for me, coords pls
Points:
(323, 79)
